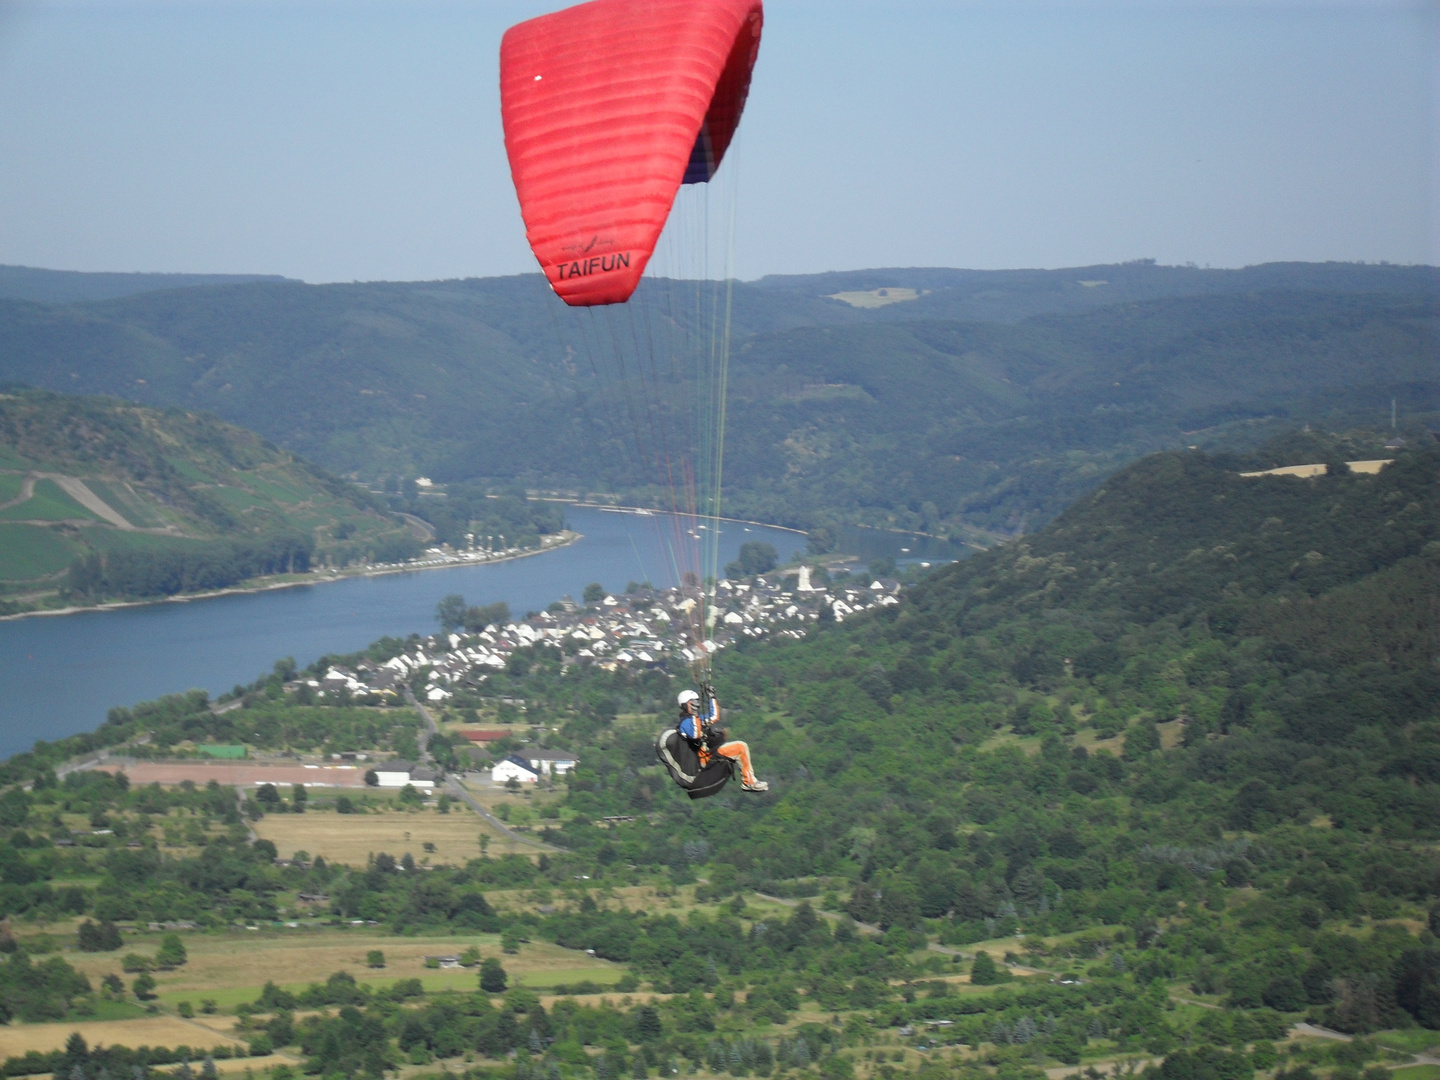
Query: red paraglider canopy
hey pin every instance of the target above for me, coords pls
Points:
(608, 108)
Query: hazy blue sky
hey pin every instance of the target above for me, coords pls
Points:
(358, 140)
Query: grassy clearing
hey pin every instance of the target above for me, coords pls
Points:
(278, 490)
(1172, 733)
(1029, 744)
(353, 838)
(186, 468)
(11, 485)
(1418, 1072)
(28, 552)
(238, 498)
(232, 967)
(876, 298)
(1411, 1040)
(108, 540)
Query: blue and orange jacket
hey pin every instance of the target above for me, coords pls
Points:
(693, 727)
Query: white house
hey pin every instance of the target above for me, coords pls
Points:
(514, 768)
(545, 762)
(396, 774)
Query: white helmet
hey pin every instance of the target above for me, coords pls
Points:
(687, 696)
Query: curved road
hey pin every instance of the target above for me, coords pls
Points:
(457, 789)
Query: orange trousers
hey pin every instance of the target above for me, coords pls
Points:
(741, 753)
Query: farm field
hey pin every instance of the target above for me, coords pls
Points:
(48, 503)
(32, 551)
(231, 968)
(352, 838)
(17, 1039)
(138, 511)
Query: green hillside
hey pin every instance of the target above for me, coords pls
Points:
(101, 499)
(1139, 794)
(1195, 720)
(981, 403)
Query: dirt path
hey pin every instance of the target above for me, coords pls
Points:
(27, 489)
(77, 490)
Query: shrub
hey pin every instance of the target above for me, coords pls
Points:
(493, 979)
(984, 972)
(103, 936)
(171, 953)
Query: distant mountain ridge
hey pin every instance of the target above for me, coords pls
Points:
(980, 407)
(77, 286)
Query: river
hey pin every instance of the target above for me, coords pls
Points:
(62, 673)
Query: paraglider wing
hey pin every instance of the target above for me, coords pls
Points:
(608, 107)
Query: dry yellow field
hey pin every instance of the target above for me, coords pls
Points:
(233, 967)
(352, 838)
(17, 1039)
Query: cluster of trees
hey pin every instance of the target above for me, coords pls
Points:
(756, 557)
(468, 515)
(283, 724)
(103, 936)
(170, 569)
(38, 991)
(452, 613)
(80, 1061)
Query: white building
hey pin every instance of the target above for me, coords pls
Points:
(396, 774)
(514, 768)
(556, 762)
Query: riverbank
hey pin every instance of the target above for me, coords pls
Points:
(562, 539)
(648, 511)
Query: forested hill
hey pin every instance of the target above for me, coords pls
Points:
(70, 286)
(1199, 707)
(944, 400)
(102, 499)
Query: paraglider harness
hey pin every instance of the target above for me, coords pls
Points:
(693, 763)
